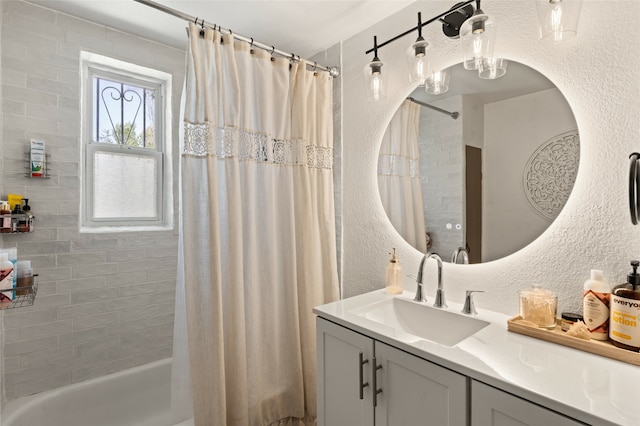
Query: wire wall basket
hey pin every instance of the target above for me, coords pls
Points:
(24, 296)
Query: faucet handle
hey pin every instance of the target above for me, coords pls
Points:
(469, 307)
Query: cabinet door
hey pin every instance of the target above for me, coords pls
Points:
(417, 392)
(492, 407)
(339, 380)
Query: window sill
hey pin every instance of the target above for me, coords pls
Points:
(124, 228)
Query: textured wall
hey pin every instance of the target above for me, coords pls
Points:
(105, 301)
(597, 73)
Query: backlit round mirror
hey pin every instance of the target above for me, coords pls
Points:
(487, 170)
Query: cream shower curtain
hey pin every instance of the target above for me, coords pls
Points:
(257, 231)
(399, 175)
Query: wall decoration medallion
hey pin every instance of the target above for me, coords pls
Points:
(550, 173)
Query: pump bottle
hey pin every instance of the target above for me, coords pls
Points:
(393, 278)
(625, 312)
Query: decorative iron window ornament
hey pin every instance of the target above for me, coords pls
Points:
(122, 104)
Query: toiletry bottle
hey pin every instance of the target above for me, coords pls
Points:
(12, 254)
(595, 304)
(6, 279)
(625, 312)
(24, 272)
(393, 280)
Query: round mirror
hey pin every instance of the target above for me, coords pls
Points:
(485, 167)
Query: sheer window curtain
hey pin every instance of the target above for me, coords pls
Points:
(257, 247)
(399, 175)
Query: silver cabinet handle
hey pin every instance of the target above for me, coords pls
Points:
(376, 391)
(361, 363)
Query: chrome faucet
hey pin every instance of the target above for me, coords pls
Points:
(460, 252)
(419, 292)
(440, 302)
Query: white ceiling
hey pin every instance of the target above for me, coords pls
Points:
(303, 27)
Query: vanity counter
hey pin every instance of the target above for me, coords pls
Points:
(589, 388)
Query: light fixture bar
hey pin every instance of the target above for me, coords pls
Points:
(453, 115)
(435, 18)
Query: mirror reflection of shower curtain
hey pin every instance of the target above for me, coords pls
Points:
(257, 243)
(399, 175)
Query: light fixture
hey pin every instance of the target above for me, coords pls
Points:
(373, 76)
(417, 57)
(558, 19)
(437, 83)
(492, 68)
(478, 35)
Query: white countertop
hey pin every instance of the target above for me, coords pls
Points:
(590, 388)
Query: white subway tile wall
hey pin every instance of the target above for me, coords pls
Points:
(105, 301)
(442, 174)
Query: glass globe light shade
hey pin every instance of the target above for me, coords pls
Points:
(558, 19)
(375, 80)
(418, 62)
(492, 68)
(437, 83)
(477, 35)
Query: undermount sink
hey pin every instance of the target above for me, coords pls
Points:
(422, 321)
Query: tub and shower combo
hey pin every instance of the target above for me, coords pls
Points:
(140, 396)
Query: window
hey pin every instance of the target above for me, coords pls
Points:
(126, 155)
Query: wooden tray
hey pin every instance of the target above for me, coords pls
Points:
(560, 337)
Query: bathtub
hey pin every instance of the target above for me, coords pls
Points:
(139, 396)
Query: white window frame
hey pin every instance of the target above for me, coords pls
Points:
(93, 65)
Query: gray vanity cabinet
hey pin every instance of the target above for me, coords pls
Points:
(493, 407)
(413, 391)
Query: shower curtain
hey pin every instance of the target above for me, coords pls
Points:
(399, 175)
(257, 247)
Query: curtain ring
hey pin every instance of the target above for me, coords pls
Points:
(201, 24)
(251, 46)
(314, 69)
(273, 49)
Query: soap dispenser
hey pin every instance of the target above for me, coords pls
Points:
(393, 278)
(624, 327)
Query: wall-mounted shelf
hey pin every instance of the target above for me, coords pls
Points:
(25, 296)
(16, 223)
(46, 167)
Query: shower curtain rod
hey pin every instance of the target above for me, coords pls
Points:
(453, 115)
(333, 71)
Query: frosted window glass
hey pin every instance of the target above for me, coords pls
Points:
(125, 186)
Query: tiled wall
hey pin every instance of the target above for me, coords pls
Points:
(442, 174)
(105, 301)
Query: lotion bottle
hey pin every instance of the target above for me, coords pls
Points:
(393, 276)
(595, 304)
(625, 312)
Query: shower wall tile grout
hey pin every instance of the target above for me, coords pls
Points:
(105, 301)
